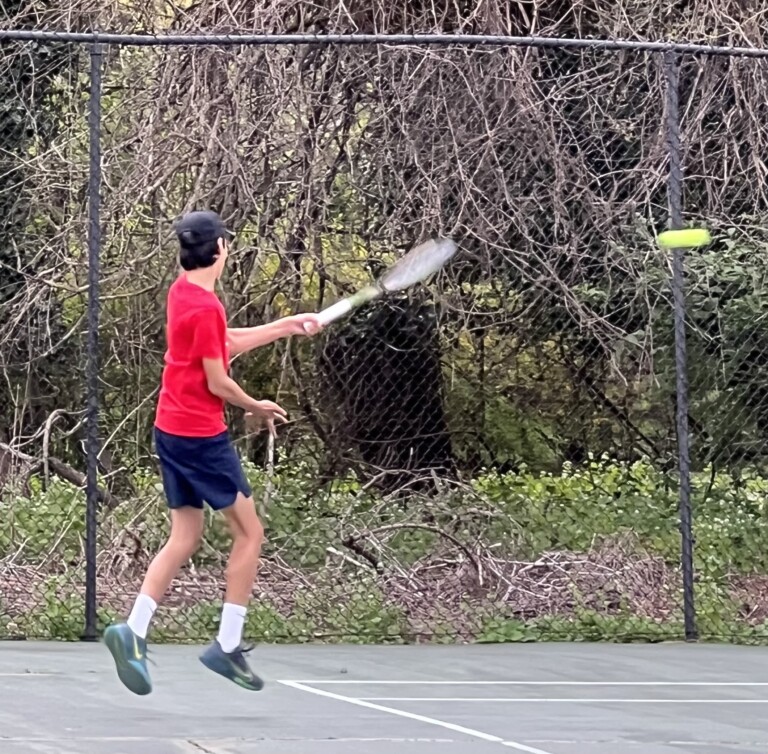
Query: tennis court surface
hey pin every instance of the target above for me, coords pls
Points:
(539, 699)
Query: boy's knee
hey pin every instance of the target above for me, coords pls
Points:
(244, 521)
(185, 544)
(253, 534)
(258, 530)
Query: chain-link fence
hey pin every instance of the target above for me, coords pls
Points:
(494, 456)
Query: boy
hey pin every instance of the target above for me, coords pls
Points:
(197, 460)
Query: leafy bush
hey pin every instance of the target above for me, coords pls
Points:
(332, 593)
(353, 613)
(44, 522)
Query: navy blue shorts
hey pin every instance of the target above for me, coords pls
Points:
(199, 470)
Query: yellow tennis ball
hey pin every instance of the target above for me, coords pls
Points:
(684, 239)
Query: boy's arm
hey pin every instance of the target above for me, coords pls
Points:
(223, 386)
(243, 339)
(207, 345)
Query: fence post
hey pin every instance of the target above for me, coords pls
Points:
(675, 195)
(90, 632)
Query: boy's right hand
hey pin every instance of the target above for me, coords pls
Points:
(264, 413)
(305, 324)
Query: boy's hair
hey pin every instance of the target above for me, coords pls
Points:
(194, 255)
(199, 234)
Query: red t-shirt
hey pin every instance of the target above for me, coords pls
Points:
(196, 329)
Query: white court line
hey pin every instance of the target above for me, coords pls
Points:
(530, 683)
(419, 718)
(633, 742)
(551, 700)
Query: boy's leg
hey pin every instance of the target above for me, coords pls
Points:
(127, 641)
(247, 539)
(186, 532)
(225, 655)
(187, 526)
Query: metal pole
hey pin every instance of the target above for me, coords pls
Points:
(675, 193)
(92, 367)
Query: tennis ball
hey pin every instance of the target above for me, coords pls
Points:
(684, 239)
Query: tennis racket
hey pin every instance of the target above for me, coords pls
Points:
(417, 265)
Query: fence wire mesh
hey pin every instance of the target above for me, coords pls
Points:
(491, 457)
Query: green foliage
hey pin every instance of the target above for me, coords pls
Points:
(501, 631)
(60, 613)
(584, 625)
(45, 521)
(199, 622)
(356, 613)
(518, 515)
(265, 624)
(715, 623)
(568, 510)
(303, 517)
(726, 305)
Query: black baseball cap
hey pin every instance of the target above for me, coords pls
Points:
(202, 226)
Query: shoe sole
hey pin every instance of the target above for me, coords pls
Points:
(213, 667)
(129, 671)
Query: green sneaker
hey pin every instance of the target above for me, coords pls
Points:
(130, 654)
(232, 665)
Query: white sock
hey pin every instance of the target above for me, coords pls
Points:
(141, 615)
(231, 626)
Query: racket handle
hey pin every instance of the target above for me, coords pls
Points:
(334, 312)
(346, 305)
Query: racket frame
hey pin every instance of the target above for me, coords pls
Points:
(370, 293)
